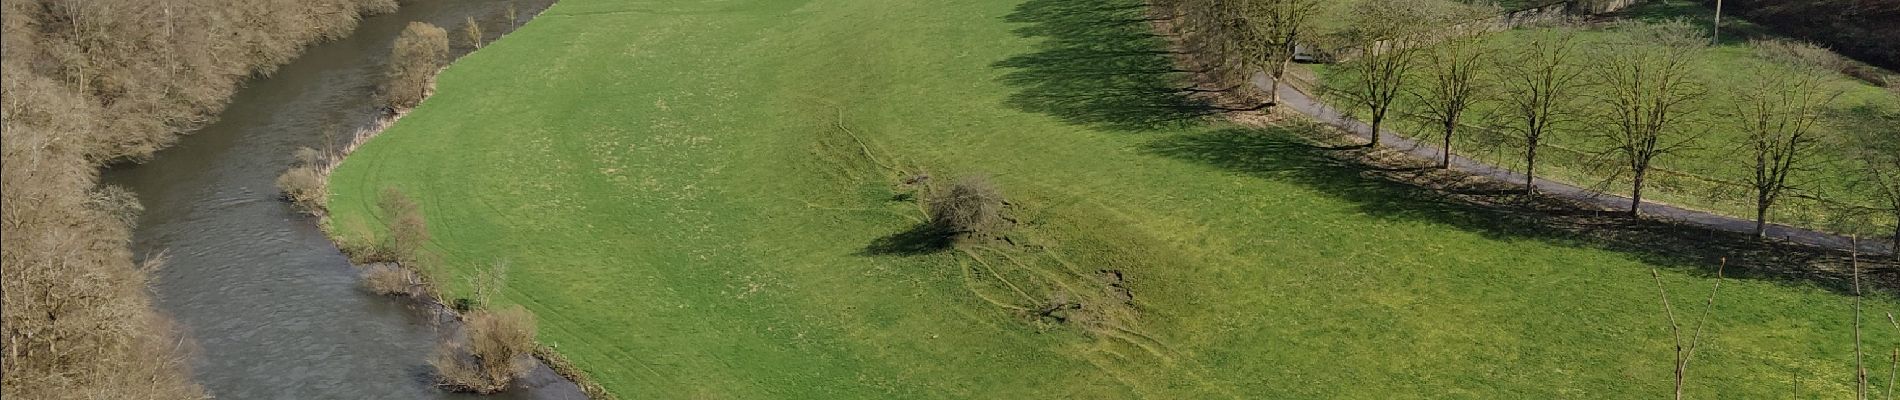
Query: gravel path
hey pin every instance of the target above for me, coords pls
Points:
(1300, 101)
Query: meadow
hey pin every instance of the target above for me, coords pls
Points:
(706, 199)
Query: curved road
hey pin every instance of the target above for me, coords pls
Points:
(1300, 101)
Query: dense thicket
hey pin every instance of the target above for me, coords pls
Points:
(1863, 29)
(83, 82)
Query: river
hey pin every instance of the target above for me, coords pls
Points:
(270, 307)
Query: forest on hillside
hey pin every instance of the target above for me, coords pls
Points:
(1862, 29)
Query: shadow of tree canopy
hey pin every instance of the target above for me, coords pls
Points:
(1101, 65)
(1498, 211)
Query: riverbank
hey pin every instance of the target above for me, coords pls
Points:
(86, 83)
(546, 357)
(274, 308)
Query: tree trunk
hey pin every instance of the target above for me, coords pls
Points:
(1278, 74)
(1378, 119)
(1451, 126)
(1761, 218)
(1273, 93)
(1680, 371)
(1530, 169)
(1636, 193)
(1896, 239)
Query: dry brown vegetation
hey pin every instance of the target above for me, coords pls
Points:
(419, 52)
(473, 32)
(408, 231)
(971, 206)
(395, 264)
(499, 343)
(83, 83)
(391, 279)
(304, 185)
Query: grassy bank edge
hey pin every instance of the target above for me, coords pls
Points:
(542, 352)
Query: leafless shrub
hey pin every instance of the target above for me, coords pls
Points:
(358, 243)
(305, 156)
(418, 53)
(1804, 54)
(117, 202)
(513, 16)
(304, 184)
(498, 347)
(473, 31)
(390, 279)
(971, 206)
(305, 188)
(486, 283)
(1799, 53)
(408, 231)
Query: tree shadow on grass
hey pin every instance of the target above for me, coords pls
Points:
(919, 240)
(1100, 65)
(1496, 211)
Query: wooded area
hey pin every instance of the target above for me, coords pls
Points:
(1862, 29)
(90, 82)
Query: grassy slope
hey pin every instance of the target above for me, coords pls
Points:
(1725, 69)
(679, 208)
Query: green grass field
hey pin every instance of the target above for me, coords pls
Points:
(1710, 175)
(698, 199)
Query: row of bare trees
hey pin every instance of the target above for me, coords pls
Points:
(1641, 96)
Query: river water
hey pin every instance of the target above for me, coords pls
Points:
(274, 311)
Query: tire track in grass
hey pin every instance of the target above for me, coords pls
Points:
(1115, 333)
(992, 270)
(569, 321)
(969, 282)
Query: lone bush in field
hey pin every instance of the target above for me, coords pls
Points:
(413, 62)
(971, 206)
(497, 350)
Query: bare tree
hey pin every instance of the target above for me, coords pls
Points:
(1779, 109)
(419, 52)
(1539, 84)
(1685, 350)
(514, 17)
(473, 31)
(1388, 35)
(1875, 140)
(1216, 32)
(1860, 366)
(1649, 94)
(1454, 67)
(1278, 26)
